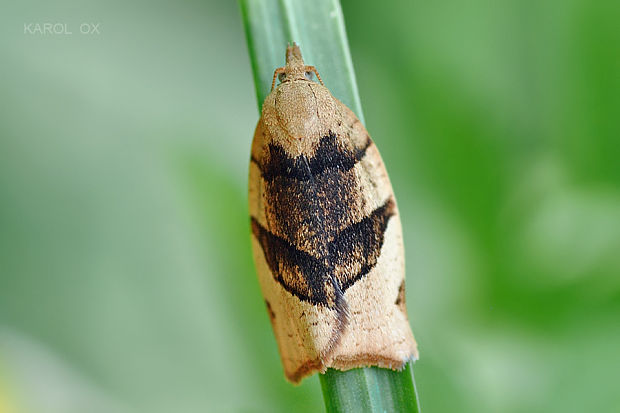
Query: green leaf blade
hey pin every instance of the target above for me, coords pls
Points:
(370, 389)
(318, 28)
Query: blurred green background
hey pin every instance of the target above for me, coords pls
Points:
(126, 280)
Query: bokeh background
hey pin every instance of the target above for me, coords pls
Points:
(126, 280)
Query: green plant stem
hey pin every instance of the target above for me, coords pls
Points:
(370, 389)
(318, 27)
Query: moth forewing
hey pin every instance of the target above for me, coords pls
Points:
(326, 233)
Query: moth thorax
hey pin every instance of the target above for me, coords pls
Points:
(297, 109)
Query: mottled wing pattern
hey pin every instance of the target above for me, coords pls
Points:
(356, 249)
(311, 204)
(298, 272)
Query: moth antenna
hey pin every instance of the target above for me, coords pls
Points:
(316, 72)
(275, 75)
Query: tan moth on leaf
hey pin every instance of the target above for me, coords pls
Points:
(326, 233)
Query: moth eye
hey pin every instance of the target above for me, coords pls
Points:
(281, 77)
(309, 75)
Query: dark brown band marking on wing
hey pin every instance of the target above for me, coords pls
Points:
(301, 168)
(352, 255)
(356, 249)
(361, 152)
(309, 214)
(401, 298)
(297, 271)
(253, 159)
(313, 283)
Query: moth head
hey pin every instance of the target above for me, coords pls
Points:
(295, 68)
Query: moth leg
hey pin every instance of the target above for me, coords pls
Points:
(275, 75)
(313, 69)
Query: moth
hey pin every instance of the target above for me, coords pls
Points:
(326, 233)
